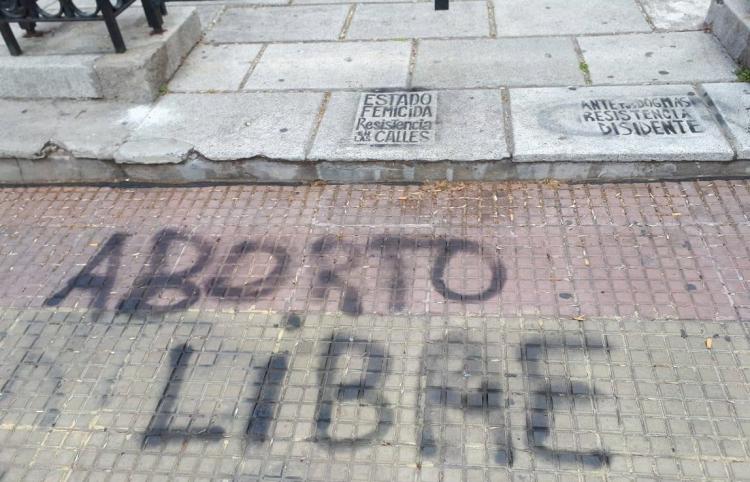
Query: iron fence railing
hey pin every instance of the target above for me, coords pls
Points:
(27, 13)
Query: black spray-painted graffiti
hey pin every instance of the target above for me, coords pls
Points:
(87, 280)
(271, 382)
(543, 396)
(363, 386)
(158, 427)
(335, 277)
(334, 259)
(448, 364)
(218, 286)
(354, 370)
(155, 280)
(158, 278)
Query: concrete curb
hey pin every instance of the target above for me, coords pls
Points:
(54, 170)
(730, 22)
(520, 134)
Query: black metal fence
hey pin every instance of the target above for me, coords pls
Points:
(27, 13)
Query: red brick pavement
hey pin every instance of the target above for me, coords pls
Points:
(653, 251)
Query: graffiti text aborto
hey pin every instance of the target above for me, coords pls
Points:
(159, 275)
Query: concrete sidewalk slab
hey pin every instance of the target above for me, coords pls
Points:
(276, 24)
(83, 129)
(419, 20)
(215, 67)
(242, 126)
(662, 58)
(644, 123)
(345, 65)
(496, 62)
(520, 18)
(470, 126)
(677, 14)
(733, 103)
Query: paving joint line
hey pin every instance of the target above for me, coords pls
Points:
(720, 121)
(646, 16)
(347, 22)
(492, 19)
(454, 38)
(510, 141)
(317, 123)
(412, 63)
(253, 65)
(437, 88)
(583, 66)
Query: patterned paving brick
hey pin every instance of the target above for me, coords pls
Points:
(436, 332)
(652, 251)
(226, 395)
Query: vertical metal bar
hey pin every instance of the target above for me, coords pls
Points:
(10, 39)
(153, 11)
(114, 30)
(30, 10)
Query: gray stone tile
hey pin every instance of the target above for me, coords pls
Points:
(277, 24)
(419, 20)
(243, 125)
(87, 129)
(341, 65)
(669, 57)
(676, 14)
(215, 67)
(599, 124)
(469, 127)
(493, 63)
(733, 103)
(516, 18)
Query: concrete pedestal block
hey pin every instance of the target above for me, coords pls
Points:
(729, 20)
(76, 60)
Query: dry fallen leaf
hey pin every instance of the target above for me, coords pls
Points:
(579, 318)
(709, 343)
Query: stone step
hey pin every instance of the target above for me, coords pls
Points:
(729, 20)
